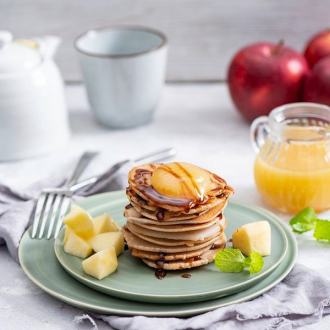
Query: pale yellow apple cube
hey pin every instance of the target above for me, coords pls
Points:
(255, 236)
(101, 264)
(106, 240)
(66, 234)
(104, 223)
(75, 245)
(80, 222)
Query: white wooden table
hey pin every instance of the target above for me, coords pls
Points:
(199, 120)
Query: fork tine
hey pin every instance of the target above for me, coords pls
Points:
(53, 219)
(46, 214)
(66, 202)
(37, 214)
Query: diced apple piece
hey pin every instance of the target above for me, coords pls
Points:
(66, 233)
(80, 222)
(106, 240)
(75, 245)
(101, 264)
(104, 223)
(255, 236)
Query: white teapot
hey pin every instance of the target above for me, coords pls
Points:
(33, 115)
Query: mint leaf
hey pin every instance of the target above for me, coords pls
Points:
(254, 263)
(230, 260)
(303, 221)
(233, 261)
(301, 228)
(322, 230)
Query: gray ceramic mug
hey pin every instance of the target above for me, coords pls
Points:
(123, 69)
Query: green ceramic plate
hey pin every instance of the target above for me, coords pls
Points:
(134, 280)
(39, 262)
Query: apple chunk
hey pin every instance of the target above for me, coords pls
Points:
(101, 264)
(106, 240)
(104, 223)
(253, 237)
(66, 234)
(80, 222)
(75, 245)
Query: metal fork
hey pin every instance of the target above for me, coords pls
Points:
(156, 156)
(66, 193)
(53, 204)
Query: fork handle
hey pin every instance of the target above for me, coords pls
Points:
(83, 162)
(152, 157)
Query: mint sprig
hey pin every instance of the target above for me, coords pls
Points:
(232, 260)
(304, 220)
(322, 230)
(254, 263)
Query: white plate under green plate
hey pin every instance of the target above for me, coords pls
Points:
(39, 262)
(134, 280)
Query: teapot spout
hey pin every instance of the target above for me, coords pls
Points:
(48, 46)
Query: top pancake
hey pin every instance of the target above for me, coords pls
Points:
(142, 193)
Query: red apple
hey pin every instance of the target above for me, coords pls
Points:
(318, 47)
(263, 76)
(317, 84)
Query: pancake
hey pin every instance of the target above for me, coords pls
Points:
(211, 202)
(176, 227)
(139, 179)
(204, 259)
(141, 175)
(193, 235)
(166, 216)
(139, 243)
(161, 214)
(134, 216)
(142, 220)
(160, 225)
(171, 242)
(220, 242)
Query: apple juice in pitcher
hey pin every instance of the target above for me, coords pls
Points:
(292, 167)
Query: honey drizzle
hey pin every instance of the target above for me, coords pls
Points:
(192, 180)
(188, 174)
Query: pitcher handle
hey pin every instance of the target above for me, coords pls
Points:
(259, 132)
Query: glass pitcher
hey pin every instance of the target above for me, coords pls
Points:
(292, 167)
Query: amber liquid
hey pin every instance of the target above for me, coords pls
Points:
(295, 174)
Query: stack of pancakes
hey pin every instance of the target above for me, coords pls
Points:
(175, 232)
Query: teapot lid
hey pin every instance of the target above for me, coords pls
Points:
(16, 57)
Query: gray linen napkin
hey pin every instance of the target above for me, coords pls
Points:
(16, 206)
(302, 298)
